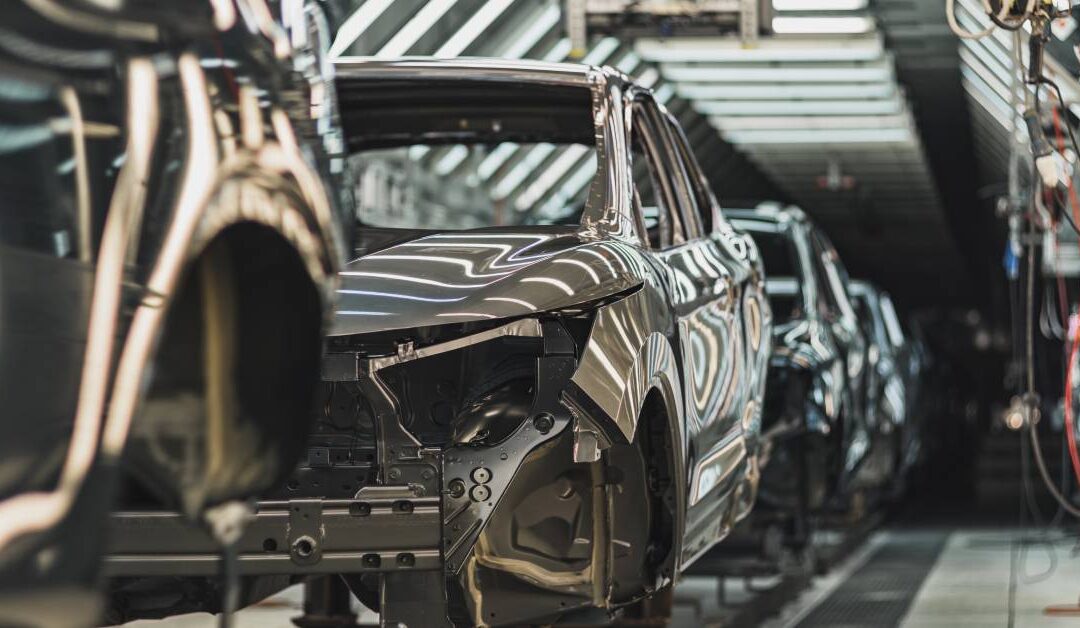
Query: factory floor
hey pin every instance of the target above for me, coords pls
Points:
(902, 576)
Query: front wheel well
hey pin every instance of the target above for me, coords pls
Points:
(654, 438)
(230, 390)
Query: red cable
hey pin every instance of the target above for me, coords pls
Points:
(1070, 428)
(1074, 202)
(1070, 431)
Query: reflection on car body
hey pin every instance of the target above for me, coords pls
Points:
(541, 396)
(147, 200)
(819, 380)
(895, 373)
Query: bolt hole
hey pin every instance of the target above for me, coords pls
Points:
(293, 485)
(269, 545)
(304, 547)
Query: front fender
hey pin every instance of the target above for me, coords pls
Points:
(625, 357)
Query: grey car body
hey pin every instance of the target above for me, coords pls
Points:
(819, 376)
(155, 221)
(527, 421)
(895, 365)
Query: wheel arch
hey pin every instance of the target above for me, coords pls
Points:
(258, 247)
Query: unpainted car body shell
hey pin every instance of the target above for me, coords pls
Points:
(170, 157)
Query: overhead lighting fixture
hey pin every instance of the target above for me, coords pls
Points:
(542, 184)
(648, 78)
(821, 136)
(718, 50)
(451, 160)
(495, 159)
(819, 5)
(875, 73)
(628, 63)
(538, 27)
(420, 24)
(559, 51)
(664, 93)
(355, 25)
(697, 91)
(528, 164)
(584, 175)
(808, 122)
(468, 33)
(833, 25)
(601, 51)
(805, 107)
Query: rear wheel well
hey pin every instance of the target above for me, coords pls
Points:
(230, 390)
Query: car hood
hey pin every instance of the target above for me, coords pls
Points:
(420, 279)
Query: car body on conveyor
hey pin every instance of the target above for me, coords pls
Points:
(816, 423)
(168, 265)
(543, 388)
(895, 364)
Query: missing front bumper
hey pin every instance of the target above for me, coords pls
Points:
(392, 531)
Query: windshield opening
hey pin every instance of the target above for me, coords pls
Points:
(459, 153)
(469, 186)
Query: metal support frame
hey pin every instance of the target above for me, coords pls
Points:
(649, 18)
(379, 531)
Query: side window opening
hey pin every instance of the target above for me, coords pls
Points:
(654, 188)
(700, 194)
(835, 279)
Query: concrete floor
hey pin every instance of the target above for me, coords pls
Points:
(968, 586)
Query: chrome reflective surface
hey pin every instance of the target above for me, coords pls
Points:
(158, 205)
(821, 354)
(688, 324)
(483, 276)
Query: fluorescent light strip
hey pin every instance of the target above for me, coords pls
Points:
(808, 122)
(648, 78)
(355, 25)
(409, 34)
(703, 91)
(985, 98)
(472, 29)
(628, 63)
(797, 107)
(491, 164)
(819, 5)
(601, 51)
(540, 26)
(583, 176)
(570, 156)
(817, 74)
(715, 50)
(819, 136)
(451, 160)
(993, 80)
(838, 25)
(528, 164)
(559, 51)
(664, 93)
(999, 100)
